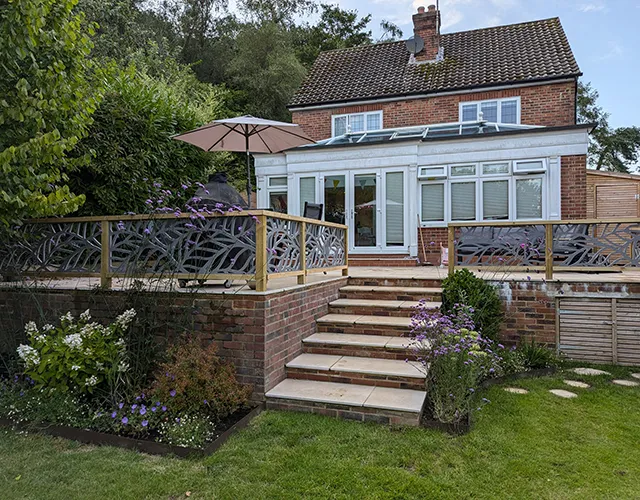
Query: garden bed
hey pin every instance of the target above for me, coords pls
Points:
(539, 372)
(230, 425)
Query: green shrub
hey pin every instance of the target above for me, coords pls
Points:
(77, 355)
(195, 381)
(463, 287)
(537, 356)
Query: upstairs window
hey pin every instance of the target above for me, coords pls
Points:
(356, 122)
(496, 111)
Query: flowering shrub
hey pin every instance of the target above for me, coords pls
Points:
(79, 354)
(455, 357)
(193, 431)
(195, 380)
(138, 419)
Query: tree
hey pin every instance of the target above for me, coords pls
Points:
(609, 149)
(47, 97)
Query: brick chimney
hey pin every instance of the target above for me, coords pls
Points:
(426, 25)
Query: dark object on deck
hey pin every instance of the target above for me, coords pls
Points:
(219, 191)
(313, 210)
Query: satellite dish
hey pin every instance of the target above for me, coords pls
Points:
(415, 44)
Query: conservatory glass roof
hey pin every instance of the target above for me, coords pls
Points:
(436, 131)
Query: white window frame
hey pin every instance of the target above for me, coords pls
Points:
(479, 178)
(277, 189)
(544, 168)
(349, 115)
(499, 104)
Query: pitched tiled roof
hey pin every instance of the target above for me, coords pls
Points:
(536, 50)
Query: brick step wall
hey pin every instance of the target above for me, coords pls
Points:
(398, 282)
(360, 329)
(372, 310)
(391, 293)
(360, 351)
(344, 377)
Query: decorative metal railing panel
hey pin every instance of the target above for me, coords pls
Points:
(500, 245)
(325, 246)
(283, 245)
(597, 245)
(60, 247)
(219, 245)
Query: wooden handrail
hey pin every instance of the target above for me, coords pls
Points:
(622, 220)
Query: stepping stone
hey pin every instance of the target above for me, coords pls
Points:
(516, 390)
(626, 383)
(589, 371)
(575, 383)
(563, 394)
(635, 375)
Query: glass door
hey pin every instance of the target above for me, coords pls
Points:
(365, 211)
(335, 198)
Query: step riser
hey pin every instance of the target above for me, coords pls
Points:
(396, 382)
(357, 413)
(384, 330)
(382, 263)
(372, 311)
(389, 296)
(360, 351)
(400, 282)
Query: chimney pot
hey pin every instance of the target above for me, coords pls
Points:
(420, 10)
(431, 8)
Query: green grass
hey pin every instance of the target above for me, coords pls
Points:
(531, 446)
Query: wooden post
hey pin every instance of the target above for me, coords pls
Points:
(548, 251)
(451, 249)
(345, 271)
(302, 279)
(261, 254)
(105, 256)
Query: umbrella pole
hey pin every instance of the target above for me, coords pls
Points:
(248, 172)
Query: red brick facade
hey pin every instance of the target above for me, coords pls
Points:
(573, 187)
(548, 105)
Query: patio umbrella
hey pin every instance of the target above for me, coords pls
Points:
(246, 134)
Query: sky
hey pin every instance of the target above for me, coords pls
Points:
(604, 36)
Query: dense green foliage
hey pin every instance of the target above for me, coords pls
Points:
(463, 287)
(47, 96)
(522, 446)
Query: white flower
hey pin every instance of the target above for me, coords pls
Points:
(47, 328)
(29, 355)
(75, 368)
(73, 341)
(91, 381)
(40, 338)
(68, 318)
(125, 318)
(88, 352)
(99, 366)
(31, 328)
(119, 343)
(85, 316)
(123, 367)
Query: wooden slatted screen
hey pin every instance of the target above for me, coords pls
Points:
(617, 200)
(600, 330)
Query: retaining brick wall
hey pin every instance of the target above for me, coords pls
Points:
(549, 105)
(259, 333)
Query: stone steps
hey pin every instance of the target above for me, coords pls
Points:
(376, 307)
(390, 293)
(364, 324)
(378, 261)
(364, 403)
(368, 346)
(394, 373)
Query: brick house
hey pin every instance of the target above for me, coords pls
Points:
(477, 125)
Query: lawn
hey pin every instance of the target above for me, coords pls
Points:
(522, 446)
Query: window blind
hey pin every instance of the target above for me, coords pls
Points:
(463, 201)
(495, 200)
(395, 208)
(529, 198)
(307, 191)
(432, 208)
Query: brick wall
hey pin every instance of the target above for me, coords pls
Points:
(573, 187)
(259, 333)
(549, 105)
(429, 241)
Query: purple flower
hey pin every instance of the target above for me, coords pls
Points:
(147, 230)
(143, 410)
(121, 405)
(114, 414)
(134, 406)
(172, 393)
(145, 423)
(177, 420)
(164, 408)
(486, 400)
(184, 187)
(206, 402)
(125, 420)
(157, 403)
(153, 409)
(120, 226)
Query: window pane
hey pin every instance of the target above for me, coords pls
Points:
(489, 111)
(509, 112)
(340, 125)
(463, 201)
(528, 166)
(373, 121)
(495, 168)
(278, 202)
(529, 198)
(277, 181)
(307, 192)
(356, 123)
(463, 170)
(469, 112)
(364, 193)
(495, 200)
(395, 208)
(334, 197)
(432, 202)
